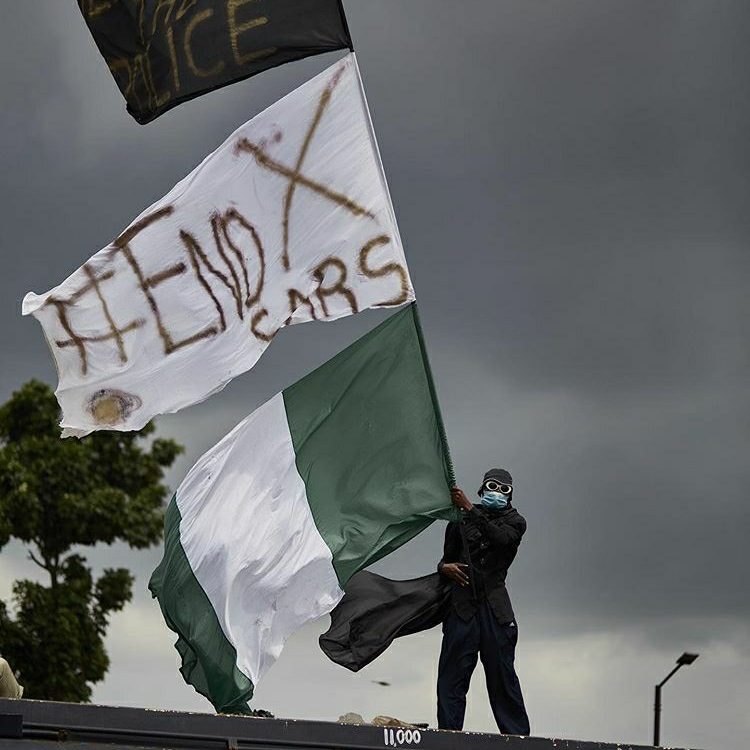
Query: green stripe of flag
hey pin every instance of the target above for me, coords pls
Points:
(368, 447)
(209, 661)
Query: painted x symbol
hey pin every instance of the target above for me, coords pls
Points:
(295, 176)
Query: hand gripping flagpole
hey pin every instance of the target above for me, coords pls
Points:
(433, 396)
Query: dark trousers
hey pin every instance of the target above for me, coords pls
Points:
(484, 636)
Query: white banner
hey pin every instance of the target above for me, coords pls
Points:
(288, 221)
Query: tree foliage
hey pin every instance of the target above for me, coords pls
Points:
(57, 496)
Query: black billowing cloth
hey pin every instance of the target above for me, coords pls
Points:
(493, 537)
(162, 54)
(376, 610)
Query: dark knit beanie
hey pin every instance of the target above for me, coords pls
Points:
(499, 475)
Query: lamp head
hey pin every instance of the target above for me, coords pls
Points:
(687, 658)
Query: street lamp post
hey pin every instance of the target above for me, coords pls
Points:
(683, 661)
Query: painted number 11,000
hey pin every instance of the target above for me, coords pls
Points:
(398, 737)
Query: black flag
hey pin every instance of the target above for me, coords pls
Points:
(165, 52)
(376, 610)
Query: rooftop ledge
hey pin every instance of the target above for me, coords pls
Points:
(34, 725)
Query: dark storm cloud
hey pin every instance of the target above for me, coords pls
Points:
(571, 182)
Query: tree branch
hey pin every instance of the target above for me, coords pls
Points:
(40, 564)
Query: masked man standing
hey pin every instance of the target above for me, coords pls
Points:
(480, 622)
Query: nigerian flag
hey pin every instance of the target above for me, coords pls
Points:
(328, 476)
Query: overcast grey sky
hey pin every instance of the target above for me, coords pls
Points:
(572, 183)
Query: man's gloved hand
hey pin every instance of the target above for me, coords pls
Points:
(456, 572)
(460, 500)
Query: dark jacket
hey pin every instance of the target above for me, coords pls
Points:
(493, 537)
